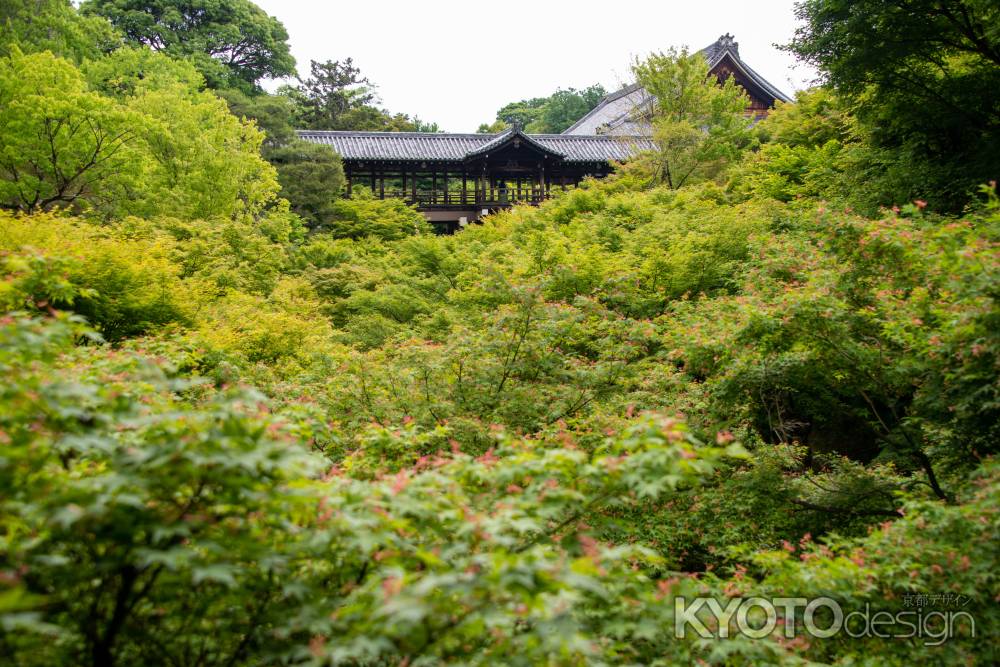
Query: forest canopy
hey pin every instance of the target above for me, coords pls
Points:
(924, 78)
(548, 115)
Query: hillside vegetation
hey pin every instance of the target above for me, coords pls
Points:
(239, 430)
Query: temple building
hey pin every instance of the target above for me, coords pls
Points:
(625, 112)
(455, 179)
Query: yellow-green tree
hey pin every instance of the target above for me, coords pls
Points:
(699, 125)
(62, 145)
(135, 136)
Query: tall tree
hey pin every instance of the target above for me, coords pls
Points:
(546, 115)
(565, 107)
(924, 75)
(332, 90)
(337, 97)
(234, 43)
(61, 145)
(136, 136)
(54, 25)
(699, 126)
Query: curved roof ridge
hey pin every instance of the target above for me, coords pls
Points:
(507, 135)
(764, 83)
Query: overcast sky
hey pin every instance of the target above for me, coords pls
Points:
(457, 61)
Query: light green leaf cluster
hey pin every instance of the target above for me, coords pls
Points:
(120, 143)
(699, 126)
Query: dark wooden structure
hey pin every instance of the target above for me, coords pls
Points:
(457, 178)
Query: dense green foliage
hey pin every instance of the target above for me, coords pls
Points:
(311, 178)
(131, 134)
(548, 115)
(924, 77)
(244, 421)
(95, 149)
(53, 25)
(234, 43)
(336, 488)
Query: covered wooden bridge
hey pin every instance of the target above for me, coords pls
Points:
(457, 178)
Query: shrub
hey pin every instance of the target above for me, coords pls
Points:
(363, 215)
(124, 287)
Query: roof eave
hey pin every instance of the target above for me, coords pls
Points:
(753, 76)
(511, 134)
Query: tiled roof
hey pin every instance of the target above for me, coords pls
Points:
(412, 146)
(594, 148)
(397, 145)
(600, 108)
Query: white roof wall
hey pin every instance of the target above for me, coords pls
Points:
(610, 110)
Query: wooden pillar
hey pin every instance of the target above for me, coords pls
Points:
(445, 187)
(464, 187)
(381, 186)
(434, 186)
(350, 181)
(402, 176)
(373, 180)
(413, 187)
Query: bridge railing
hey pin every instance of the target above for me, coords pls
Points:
(489, 198)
